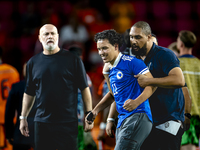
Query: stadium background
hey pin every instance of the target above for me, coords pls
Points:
(20, 22)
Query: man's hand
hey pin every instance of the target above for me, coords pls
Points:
(89, 124)
(186, 124)
(142, 80)
(106, 67)
(110, 129)
(130, 104)
(24, 127)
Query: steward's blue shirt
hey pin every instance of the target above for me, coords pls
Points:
(166, 104)
(125, 86)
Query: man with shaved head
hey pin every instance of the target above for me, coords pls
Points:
(53, 79)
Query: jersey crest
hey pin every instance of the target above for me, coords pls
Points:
(119, 75)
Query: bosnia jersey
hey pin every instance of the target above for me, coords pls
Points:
(8, 76)
(125, 86)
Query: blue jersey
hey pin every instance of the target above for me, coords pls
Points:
(166, 104)
(125, 86)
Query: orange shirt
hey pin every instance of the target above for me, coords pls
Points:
(8, 76)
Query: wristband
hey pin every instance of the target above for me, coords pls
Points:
(105, 72)
(188, 115)
(110, 120)
(22, 117)
(102, 125)
(87, 112)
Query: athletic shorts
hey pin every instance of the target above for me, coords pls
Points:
(52, 136)
(191, 136)
(133, 131)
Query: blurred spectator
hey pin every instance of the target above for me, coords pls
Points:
(85, 12)
(80, 110)
(173, 47)
(191, 71)
(30, 19)
(8, 76)
(73, 32)
(13, 105)
(122, 12)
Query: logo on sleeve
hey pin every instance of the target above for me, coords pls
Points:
(119, 75)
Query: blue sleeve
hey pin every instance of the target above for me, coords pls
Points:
(138, 66)
(168, 61)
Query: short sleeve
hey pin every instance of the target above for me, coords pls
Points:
(138, 66)
(30, 86)
(81, 77)
(168, 61)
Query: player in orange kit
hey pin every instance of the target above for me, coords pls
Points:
(8, 76)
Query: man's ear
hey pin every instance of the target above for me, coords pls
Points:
(182, 44)
(39, 38)
(149, 37)
(116, 47)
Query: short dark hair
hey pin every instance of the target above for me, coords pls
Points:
(188, 38)
(127, 38)
(146, 29)
(111, 35)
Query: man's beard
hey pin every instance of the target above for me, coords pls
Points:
(50, 47)
(140, 52)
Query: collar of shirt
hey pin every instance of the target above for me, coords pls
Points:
(151, 52)
(187, 55)
(117, 60)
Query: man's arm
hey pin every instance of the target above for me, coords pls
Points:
(27, 104)
(110, 126)
(87, 99)
(188, 101)
(188, 105)
(105, 102)
(175, 79)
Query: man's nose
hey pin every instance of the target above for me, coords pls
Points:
(133, 41)
(101, 52)
(50, 35)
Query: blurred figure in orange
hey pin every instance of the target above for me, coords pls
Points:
(8, 76)
(13, 105)
(122, 12)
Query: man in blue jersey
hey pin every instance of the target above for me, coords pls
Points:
(135, 119)
(167, 103)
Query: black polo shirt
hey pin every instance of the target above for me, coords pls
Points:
(166, 104)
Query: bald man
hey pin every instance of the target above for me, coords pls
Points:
(53, 79)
